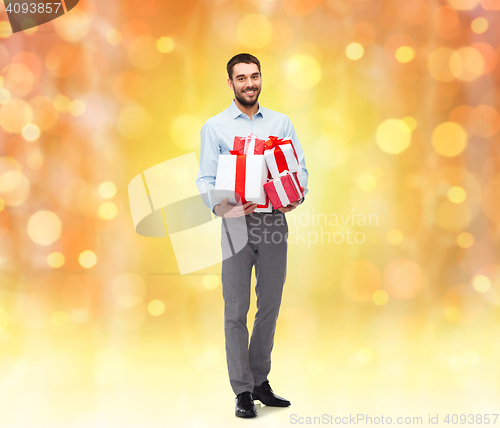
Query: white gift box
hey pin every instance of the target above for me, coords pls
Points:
(245, 175)
(282, 158)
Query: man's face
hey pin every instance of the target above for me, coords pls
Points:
(246, 83)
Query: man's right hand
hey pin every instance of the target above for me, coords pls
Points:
(224, 209)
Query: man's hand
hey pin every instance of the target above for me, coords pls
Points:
(293, 205)
(226, 210)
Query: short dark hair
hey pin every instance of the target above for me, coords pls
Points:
(242, 57)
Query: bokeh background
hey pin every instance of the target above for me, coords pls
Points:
(396, 105)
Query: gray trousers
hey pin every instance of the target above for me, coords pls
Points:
(266, 249)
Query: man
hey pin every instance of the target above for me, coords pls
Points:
(249, 365)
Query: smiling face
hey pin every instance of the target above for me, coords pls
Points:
(246, 83)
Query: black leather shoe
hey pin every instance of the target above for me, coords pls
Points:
(266, 396)
(244, 405)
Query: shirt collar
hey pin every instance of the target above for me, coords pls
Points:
(235, 111)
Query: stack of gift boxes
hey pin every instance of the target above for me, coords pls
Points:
(262, 172)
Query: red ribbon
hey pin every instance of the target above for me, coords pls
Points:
(275, 142)
(239, 186)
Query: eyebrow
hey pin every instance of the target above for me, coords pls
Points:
(243, 75)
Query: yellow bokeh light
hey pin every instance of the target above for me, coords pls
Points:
(380, 297)
(76, 107)
(463, 4)
(55, 260)
(465, 240)
(113, 37)
(107, 210)
(184, 131)
(456, 194)
(31, 132)
(404, 54)
(44, 227)
(467, 64)
(254, 31)
(394, 237)
(134, 122)
(61, 102)
(59, 318)
(165, 44)
(365, 355)
(453, 217)
(449, 139)
(107, 189)
(87, 259)
(14, 115)
(481, 283)
(354, 51)
(393, 136)
(479, 25)
(5, 96)
(439, 64)
(156, 307)
(303, 71)
(211, 281)
(403, 278)
(367, 182)
(410, 122)
(5, 29)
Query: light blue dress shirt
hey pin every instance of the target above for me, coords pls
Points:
(217, 138)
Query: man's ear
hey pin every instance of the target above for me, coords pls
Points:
(230, 83)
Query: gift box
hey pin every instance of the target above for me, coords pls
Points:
(241, 178)
(249, 145)
(280, 156)
(284, 189)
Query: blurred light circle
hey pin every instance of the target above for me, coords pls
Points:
(128, 86)
(113, 37)
(380, 297)
(156, 308)
(134, 29)
(14, 115)
(463, 4)
(456, 194)
(484, 121)
(44, 227)
(462, 305)
(439, 64)
(453, 217)
(360, 279)
(394, 237)
(299, 7)
(107, 210)
(134, 122)
(185, 131)
(303, 71)
(107, 189)
(489, 54)
(447, 22)
(415, 12)
(76, 107)
(143, 53)
(481, 283)
(364, 33)
(10, 174)
(165, 45)
(87, 259)
(19, 80)
(211, 281)
(465, 240)
(45, 114)
(479, 25)
(254, 31)
(61, 102)
(4, 96)
(128, 289)
(393, 136)
(405, 54)
(31, 132)
(410, 122)
(63, 60)
(367, 182)
(449, 139)
(403, 278)
(354, 51)
(5, 29)
(55, 260)
(467, 64)
(74, 27)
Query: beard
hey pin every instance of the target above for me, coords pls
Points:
(245, 102)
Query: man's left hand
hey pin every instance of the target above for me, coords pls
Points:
(293, 205)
